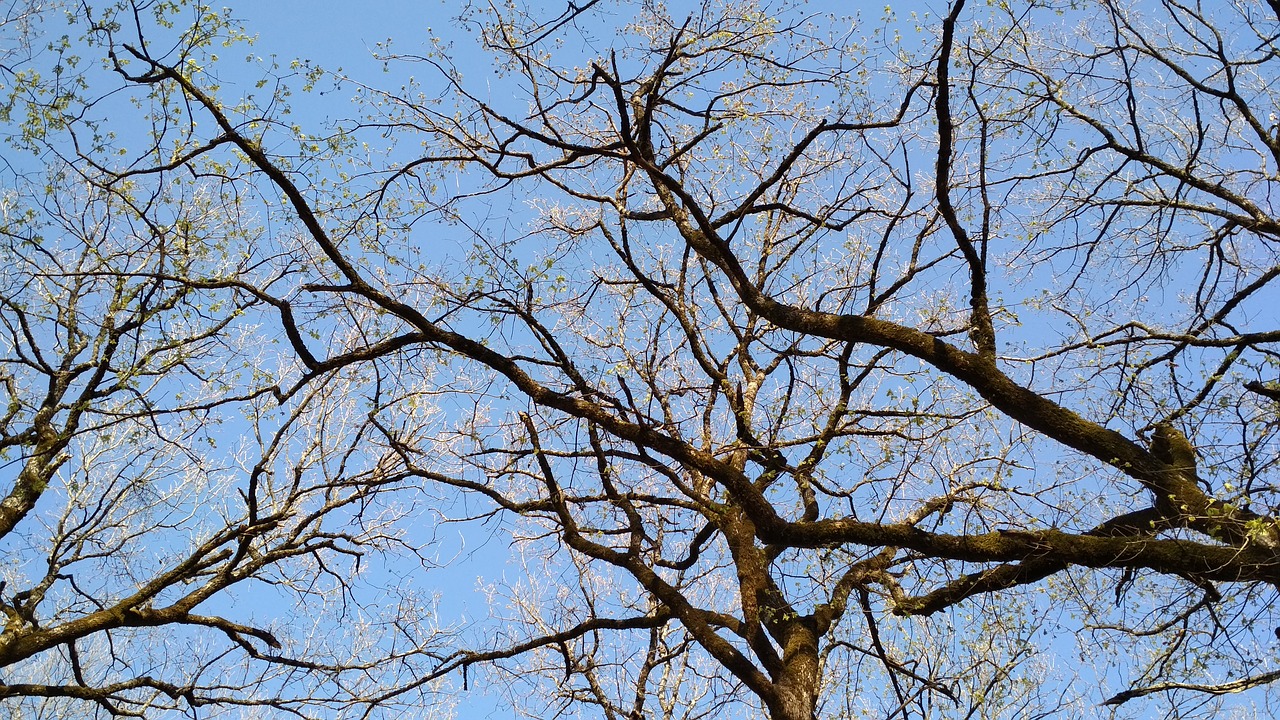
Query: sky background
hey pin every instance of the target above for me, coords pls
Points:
(346, 35)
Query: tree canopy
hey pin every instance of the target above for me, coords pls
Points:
(919, 363)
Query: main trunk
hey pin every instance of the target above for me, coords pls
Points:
(796, 686)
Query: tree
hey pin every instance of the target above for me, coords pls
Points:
(156, 471)
(824, 368)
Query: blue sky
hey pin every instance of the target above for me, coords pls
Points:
(345, 35)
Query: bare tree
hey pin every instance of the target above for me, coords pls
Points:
(185, 520)
(816, 367)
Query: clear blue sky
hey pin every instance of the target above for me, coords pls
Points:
(337, 34)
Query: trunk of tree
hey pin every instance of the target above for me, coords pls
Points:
(797, 684)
